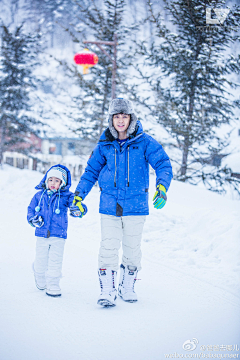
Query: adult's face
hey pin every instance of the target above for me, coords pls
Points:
(121, 123)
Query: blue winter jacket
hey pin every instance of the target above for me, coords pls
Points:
(123, 173)
(54, 224)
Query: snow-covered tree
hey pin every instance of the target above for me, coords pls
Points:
(42, 15)
(191, 78)
(98, 22)
(16, 81)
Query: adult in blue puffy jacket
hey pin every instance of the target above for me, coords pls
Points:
(120, 163)
(47, 212)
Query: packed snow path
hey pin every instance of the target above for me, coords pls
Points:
(189, 287)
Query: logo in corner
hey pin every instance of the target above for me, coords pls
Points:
(220, 13)
(190, 345)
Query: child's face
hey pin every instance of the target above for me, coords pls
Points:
(54, 183)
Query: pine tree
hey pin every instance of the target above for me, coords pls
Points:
(99, 23)
(191, 82)
(42, 16)
(16, 82)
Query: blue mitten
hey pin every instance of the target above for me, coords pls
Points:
(36, 221)
(76, 212)
(78, 209)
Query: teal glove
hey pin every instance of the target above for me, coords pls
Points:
(160, 197)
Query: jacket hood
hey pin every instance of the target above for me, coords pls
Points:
(107, 135)
(42, 185)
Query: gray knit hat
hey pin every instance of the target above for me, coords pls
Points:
(121, 106)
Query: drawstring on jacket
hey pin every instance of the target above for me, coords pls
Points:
(38, 208)
(57, 211)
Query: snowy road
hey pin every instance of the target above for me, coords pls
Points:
(189, 287)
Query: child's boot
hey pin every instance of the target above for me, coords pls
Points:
(126, 283)
(40, 279)
(108, 294)
(53, 288)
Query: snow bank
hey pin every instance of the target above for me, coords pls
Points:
(198, 234)
(189, 286)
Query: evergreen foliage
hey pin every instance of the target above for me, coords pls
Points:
(192, 83)
(100, 23)
(16, 81)
(42, 16)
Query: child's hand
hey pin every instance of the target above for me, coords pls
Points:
(77, 209)
(36, 221)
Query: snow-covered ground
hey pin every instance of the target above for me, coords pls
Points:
(189, 286)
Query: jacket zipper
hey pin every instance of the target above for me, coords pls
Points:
(128, 165)
(49, 202)
(115, 168)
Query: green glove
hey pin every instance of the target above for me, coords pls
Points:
(160, 197)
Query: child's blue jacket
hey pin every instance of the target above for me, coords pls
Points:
(54, 224)
(123, 173)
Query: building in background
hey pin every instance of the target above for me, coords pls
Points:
(41, 153)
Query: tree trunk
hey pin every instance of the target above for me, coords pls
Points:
(101, 125)
(106, 91)
(1, 147)
(186, 144)
(1, 157)
(184, 158)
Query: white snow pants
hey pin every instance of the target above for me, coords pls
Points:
(127, 229)
(49, 257)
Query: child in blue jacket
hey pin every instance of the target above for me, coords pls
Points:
(48, 213)
(120, 163)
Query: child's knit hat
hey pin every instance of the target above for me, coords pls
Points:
(59, 173)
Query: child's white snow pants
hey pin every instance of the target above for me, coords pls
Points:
(125, 229)
(49, 257)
